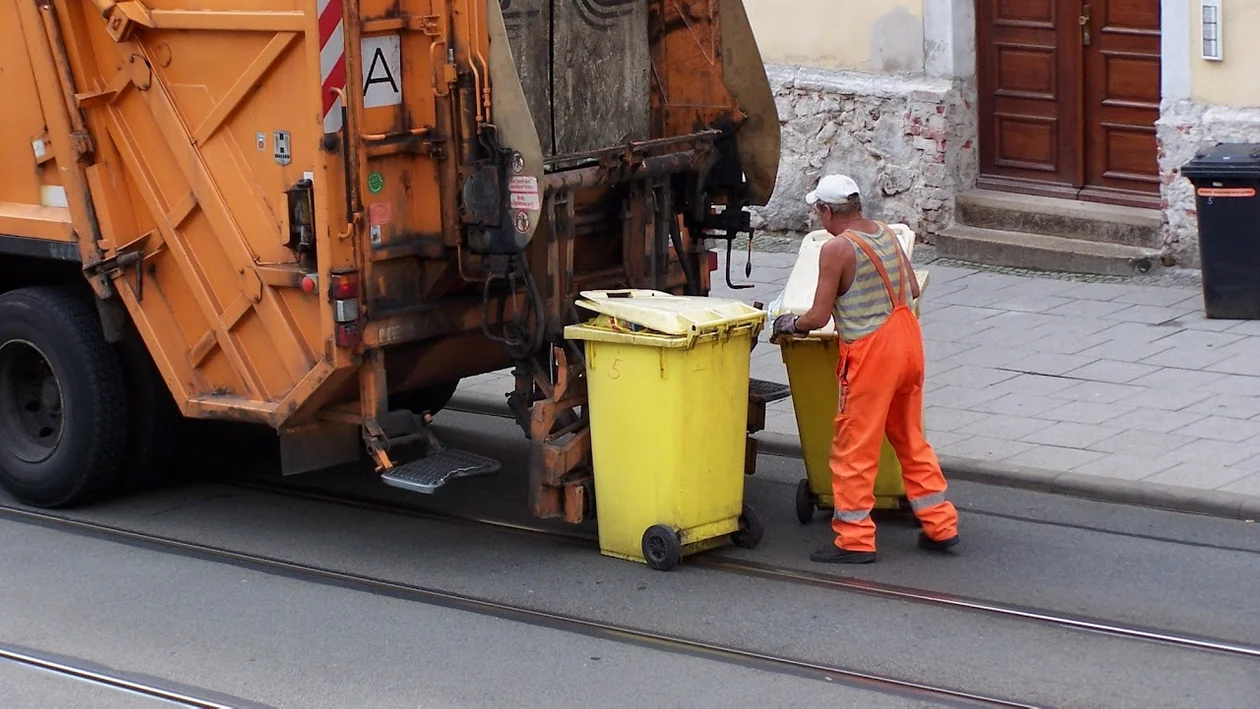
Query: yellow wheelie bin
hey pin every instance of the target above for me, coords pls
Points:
(811, 363)
(667, 380)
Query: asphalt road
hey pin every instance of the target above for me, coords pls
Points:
(282, 641)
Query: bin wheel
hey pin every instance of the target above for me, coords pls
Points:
(661, 547)
(750, 530)
(805, 506)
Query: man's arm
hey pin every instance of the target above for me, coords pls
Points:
(836, 265)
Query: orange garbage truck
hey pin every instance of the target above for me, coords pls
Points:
(320, 215)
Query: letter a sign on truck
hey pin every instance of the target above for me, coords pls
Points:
(382, 71)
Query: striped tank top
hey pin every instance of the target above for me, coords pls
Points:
(865, 307)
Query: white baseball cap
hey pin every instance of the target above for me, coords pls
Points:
(833, 189)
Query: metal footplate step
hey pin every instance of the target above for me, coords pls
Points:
(429, 473)
(768, 391)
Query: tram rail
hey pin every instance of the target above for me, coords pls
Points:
(487, 607)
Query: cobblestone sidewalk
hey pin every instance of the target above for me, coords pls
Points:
(1119, 381)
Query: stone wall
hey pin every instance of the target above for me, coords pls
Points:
(909, 142)
(1184, 128)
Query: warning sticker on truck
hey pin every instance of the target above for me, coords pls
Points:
(523, 193)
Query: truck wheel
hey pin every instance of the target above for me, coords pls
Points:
(63, 400)
(432, 398)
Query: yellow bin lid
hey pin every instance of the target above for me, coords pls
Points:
(670, 314)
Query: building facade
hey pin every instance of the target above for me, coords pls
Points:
(1097, 102)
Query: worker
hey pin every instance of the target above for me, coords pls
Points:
(863, 279)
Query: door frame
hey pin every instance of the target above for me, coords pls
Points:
(1073, 64)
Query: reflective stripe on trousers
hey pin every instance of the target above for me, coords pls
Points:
(850, 515)
(932, 500)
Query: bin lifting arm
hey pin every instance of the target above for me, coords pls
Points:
(121, 18)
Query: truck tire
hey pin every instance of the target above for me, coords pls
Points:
(63, 400)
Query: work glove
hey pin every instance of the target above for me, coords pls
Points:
(785, 324)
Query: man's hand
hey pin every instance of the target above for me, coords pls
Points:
(785, 324)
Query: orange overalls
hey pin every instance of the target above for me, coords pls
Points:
(881, 392)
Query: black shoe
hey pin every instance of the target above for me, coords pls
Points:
(833, 554)
(930, 544)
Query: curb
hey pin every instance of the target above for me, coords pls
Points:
(1175, 498)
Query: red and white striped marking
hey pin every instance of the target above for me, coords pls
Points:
(332, 61)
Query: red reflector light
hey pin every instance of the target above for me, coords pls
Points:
(310, 283)
(713, 262)
(347, 335)
(343, 286)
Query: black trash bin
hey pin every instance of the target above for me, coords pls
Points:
(1226, 182)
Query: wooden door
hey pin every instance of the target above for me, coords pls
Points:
(1121, 41)
(1068, 97)
(1029, 94)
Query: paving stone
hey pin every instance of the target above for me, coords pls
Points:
(1249, 328)
(1250, 465)
(1051, 364)
(1124, 466)
(958, 396)
(1182, 379)
(1085, 412)
(1054, 458)
(1097, 291)
(1200, 475)
(1248, 365)
(940, 350)
(1009, 428)
(1067, 344)
(975, 377)
(1031, 303)
(986, 448)
(1164, 397)
(982, 280)
(996, 337)
(1199, 323)
(1071, 435)
(1212, 453)
(1158, 421)
(1027, 405)
(1068, 326)
(1195, 359)
(1159, 297)
(944, 440)
(1124, 350)
(960, 314)
(1099, 392)
(1106, 370)
(1088, 308)
(999, 358)
(1141, 333)
(1229, 406)
(1249, 485)
(1219, 428)
(1149, 314)
(971, 297)
(940, 418)
(1026, 321)
(1141, 443)
(1036, 384)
